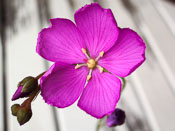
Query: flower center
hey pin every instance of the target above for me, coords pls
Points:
(91, 64)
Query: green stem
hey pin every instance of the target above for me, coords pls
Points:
(27, 102)
(123, 83)
(99, 125)
(40, 75)
(34, 94)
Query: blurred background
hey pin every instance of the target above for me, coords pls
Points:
(149, 96)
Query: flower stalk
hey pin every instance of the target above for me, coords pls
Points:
(40, 75)
(100, 123)
(23, 112)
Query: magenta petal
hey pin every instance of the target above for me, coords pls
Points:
(126, 55)
(61, 42)
(62, 84)
(101, 94)
(19, 94)
(98, 28)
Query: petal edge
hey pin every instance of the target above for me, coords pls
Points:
(101, 94)
(98, 28)
(61, 41)
(62, 84)
(126, 55)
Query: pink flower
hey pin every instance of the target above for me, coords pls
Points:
(83, 52)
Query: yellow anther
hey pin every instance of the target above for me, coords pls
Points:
(101, 69)
(88, 77)
(80, 65)
(101, 54)
(77, 66)
(83, 50)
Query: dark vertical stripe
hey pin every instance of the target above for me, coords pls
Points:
(3, 41)
(72, 4)
(43, 11)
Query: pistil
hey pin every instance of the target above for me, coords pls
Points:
(91, 63)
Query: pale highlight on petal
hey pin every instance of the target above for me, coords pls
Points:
(101, 94)
(126, 55)
(61, 42)
(62, 84)
(98, 28)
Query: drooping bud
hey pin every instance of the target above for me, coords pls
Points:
(25, 87)
(24, 115)
(14, 109)
(116, 118)
(29, 84)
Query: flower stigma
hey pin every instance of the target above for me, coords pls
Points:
(91, 63)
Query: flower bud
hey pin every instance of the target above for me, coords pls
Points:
(24, 115)
(25, 87)
(29, 84)
(116, 118)
(14, 109)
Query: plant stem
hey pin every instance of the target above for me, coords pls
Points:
(34, 94)
(27, 102)
(99, 125)
(123, 83)
(40, 75)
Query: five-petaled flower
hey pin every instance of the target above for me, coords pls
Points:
(82, 53)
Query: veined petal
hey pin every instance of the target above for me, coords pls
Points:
(101, 94)
(62, 84)
(61, 42)
(126, 55)
(98, 28)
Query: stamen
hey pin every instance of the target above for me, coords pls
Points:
(100, 68)
(100, 55)
(80, 65)
(84, 52)
(89, 75)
